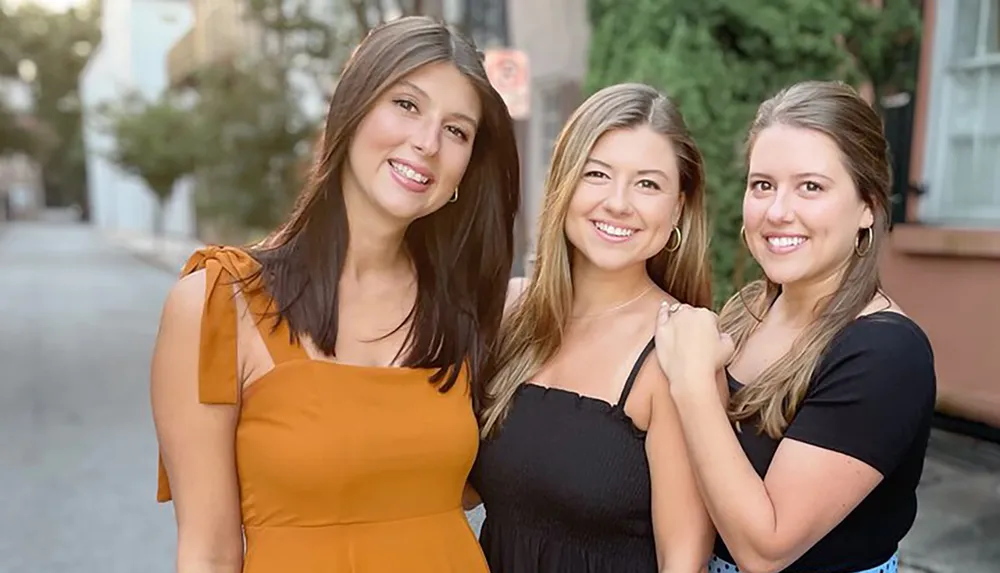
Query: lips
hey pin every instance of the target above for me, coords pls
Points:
(612, 232)
(782, 244)
(411, 176)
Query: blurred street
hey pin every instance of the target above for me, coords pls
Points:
(78, 459)
(77, 467)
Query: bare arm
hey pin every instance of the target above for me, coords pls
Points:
(196, 440)
(768, 524)
(683, 530)
(470, 498)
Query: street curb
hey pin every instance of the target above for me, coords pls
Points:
(153, 261)
(907, 566)
(150, 256)
(910, 563)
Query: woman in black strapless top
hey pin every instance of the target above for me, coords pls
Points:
(582, 468)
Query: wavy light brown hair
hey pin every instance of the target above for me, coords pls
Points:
(533, 332)
(836, 110)
(462, 253)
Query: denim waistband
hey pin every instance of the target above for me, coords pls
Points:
(716, 565)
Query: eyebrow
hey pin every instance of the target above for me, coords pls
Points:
(458, 115)
(640, 172)
(806, 175)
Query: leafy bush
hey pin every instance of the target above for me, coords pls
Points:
(154, 140)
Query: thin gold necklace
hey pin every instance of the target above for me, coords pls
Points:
(614, 308)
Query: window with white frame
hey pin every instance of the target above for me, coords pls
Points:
(962, 149)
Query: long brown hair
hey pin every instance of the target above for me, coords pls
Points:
(534, 331)
(836, 110)
(462, 253)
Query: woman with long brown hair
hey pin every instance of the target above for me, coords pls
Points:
(583, 466)
(315, 393)
(832, 385)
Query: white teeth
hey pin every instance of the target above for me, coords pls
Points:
(786, 241)
(614, 231)
(408, 173)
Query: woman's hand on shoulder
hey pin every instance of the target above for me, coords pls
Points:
(689, 346)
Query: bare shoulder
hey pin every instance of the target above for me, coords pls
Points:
(179, 329)
(665, 297)
(186, 297)
(882, 303)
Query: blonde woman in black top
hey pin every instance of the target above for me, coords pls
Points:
(583, 468)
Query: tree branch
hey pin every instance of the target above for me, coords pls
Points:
(360, 9)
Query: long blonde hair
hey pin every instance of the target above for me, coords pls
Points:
(836, 110)
(534, 330)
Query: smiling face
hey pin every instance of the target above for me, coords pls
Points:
(410, 152)
(627, 201)
(802, 211)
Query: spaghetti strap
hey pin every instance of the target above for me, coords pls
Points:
(635, 373)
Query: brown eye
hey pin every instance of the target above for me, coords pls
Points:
(405, 104)
(458, 132)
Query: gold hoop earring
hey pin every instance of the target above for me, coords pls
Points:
(868, 246)
(454, 197)
(743, 236)
(675, 232)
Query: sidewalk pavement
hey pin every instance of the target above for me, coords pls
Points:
(958, 523)
(167, 252)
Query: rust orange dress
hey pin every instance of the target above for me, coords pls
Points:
(341, 468)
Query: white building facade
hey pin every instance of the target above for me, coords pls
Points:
(136, 36)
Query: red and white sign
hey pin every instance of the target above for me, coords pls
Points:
(508, 72)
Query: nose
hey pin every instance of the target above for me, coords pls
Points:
(426, 137)
(617, 201)
(780, 210)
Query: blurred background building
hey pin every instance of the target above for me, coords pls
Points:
(136, 36)
(943, 264)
